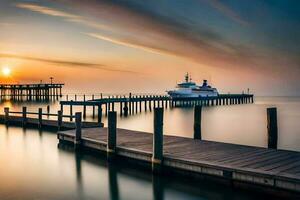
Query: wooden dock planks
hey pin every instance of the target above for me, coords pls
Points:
(256, 165)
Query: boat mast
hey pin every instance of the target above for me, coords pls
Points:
(187, 77)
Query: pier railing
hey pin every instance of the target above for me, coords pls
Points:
(23, 115)
(37, 119)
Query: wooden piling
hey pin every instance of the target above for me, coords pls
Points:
(48, 109)
(93, 112)
(71, 113)
(140, 104)
(59, 119)
(111, 133)
(197, 122)
(84, 111)
(272, 128)
(121, 108)
(126, 109)
(157, 155)
(99, 114)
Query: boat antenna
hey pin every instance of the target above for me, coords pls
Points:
(187, 77)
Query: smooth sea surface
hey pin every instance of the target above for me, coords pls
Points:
(239, 124)
(33, 166)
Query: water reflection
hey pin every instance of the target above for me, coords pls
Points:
(113, 182)
(158, 188)
(34, 166)
(127, 181)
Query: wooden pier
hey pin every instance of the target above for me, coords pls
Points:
(264, 168)
(22, 119)
(132, 104)
(31, 91)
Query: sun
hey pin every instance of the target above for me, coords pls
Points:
(6, 71)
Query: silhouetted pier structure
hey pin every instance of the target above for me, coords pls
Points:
(42, 91)
(131, 104)
(41, 119)
(266, 169)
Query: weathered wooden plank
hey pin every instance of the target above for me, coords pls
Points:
(282, 165)
(276, 168)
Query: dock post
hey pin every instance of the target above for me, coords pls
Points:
(150, 106)
(59, 119)
(40, 117)
(99, 114)
(93, 98)
(140, 104)
(197, 122)
(145, 105)
(24, 115)
(157, 155)
(121, 108)
(48, 109)
(6, 111)
(93, 111)
(126, 109)
(84, 107)
(136, 105)
(62, 107)
(272, 127)
(111, 134)
(78, 129)
(84, 111)
(106, 109)
(71, 113)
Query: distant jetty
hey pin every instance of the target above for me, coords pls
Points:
(42, 91)
(130, 104)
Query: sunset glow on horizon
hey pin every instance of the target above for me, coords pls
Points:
(6, 71)
(122, 46)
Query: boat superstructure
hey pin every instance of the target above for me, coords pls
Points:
(188, 88)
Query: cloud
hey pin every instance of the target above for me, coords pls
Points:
(65, 15)
(228, 12)
(132, 44)
(66, 63)
(168, 31)
(47, 10)
(136, 26)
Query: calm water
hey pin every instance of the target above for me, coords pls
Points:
(32, 166)
(239, 124)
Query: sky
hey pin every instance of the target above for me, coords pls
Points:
(119, 46)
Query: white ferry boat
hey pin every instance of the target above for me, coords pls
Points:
(191, 89)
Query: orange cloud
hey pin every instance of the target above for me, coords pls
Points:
(67, 63)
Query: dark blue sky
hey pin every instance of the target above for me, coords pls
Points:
(231, 41)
